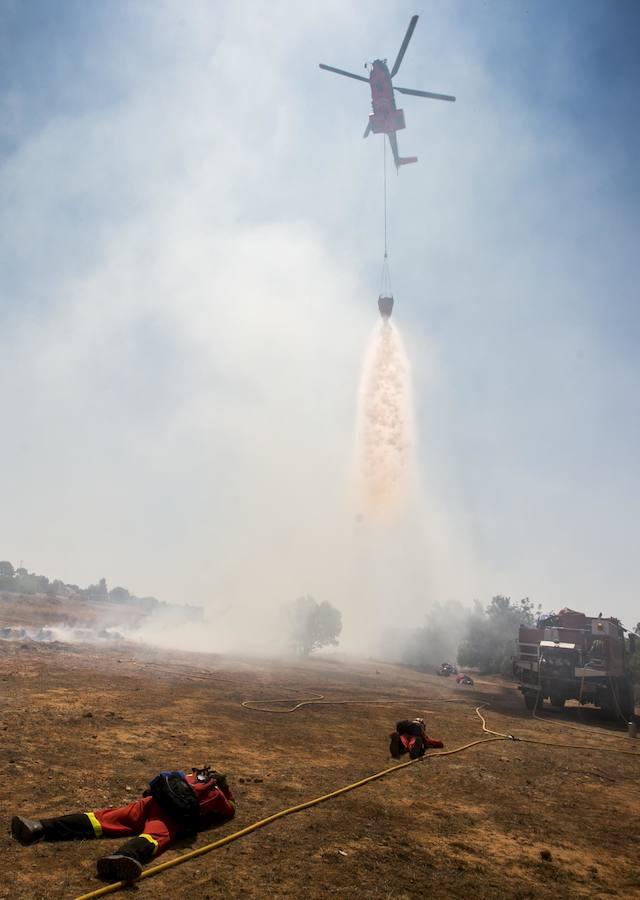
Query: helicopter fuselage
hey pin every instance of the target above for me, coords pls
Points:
(385, 118)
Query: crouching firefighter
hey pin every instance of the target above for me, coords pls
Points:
(175, 805)
(411, 737)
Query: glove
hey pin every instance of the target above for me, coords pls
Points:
(221, 780)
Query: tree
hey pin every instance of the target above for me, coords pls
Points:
(57, 587)
(313, 625)
(6, 569)
(491, 633)
(119, 595)
(633, 650)
(42, 584)
(29, 582)
(98, 591)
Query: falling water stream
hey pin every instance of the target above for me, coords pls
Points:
(385, 433)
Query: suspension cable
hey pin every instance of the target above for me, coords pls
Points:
(384, 182)
(385, 275)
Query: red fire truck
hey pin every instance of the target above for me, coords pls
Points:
(571, 656)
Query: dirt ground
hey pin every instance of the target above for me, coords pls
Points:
(84, 727)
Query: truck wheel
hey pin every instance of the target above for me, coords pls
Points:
(530, 700)
(627, 701)
(557, 700)
(609, 704)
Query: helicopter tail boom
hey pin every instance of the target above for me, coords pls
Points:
(399, 160)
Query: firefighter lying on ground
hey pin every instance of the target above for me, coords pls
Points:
(175, 805)
(411, 737)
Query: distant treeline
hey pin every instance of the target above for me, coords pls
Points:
(20, 581)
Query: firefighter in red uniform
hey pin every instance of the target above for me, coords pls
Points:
(411, 737)
(176, 805)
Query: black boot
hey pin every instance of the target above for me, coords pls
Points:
(62, 828)
(27, 831)
(126, 863)
(76, 827)
(119, 867)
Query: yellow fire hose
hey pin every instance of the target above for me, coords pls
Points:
(319, 700)
(523, 740)
(207, 848)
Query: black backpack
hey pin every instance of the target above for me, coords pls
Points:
(177, 798)
(410, 727)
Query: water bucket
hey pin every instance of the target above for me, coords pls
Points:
(385, 305)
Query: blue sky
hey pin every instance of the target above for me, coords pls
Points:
(190, 240)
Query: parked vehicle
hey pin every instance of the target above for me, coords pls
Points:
(571, 656)
(446, 669)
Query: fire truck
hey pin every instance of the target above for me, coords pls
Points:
(571, 656)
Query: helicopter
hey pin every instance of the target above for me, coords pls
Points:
(386, 118)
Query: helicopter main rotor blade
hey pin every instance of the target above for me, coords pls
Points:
(415, 93)
(404, 45)
(342, 72)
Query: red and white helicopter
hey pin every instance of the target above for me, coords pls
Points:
(386, 119)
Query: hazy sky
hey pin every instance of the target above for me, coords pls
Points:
(190, 242)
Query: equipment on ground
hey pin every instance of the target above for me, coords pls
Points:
(571, 656)
(446, 669)
(386, 118)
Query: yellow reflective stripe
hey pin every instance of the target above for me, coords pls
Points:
(97, 827)
(151, 840)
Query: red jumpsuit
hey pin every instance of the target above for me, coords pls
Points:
(145, 818)
(407, 741)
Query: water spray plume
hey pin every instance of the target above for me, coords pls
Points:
(385, 437)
